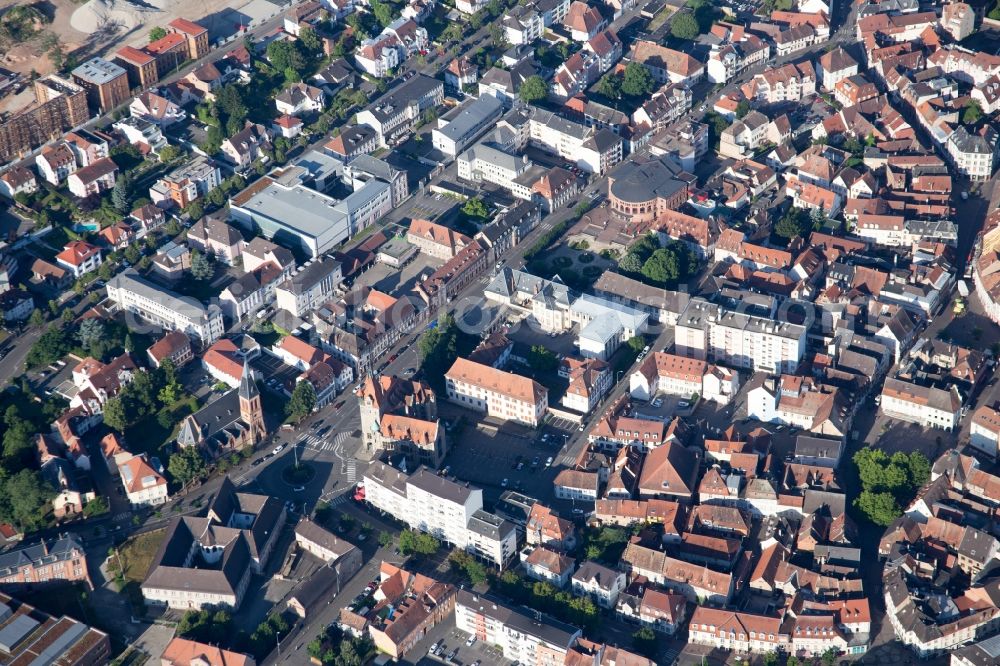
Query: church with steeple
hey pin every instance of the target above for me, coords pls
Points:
(235, 421)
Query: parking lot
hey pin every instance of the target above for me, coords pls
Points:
(452, 640)
(397, 281)
(280, 376)
(426, 205)
(487, 455)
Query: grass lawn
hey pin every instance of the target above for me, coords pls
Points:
(137, 554)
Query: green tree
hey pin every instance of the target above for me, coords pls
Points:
(186, 465)
(645, 643)
(476, 208)
(213, 140)
(829, 658)
(382, 12)
(534, 89)
(685, 26)
(385, 539)
(25, 499)
(132, 254)
(117, 414)
(302, 402)
(662, 267)
(195, 210)
(972, 113)
(419, 543)
(795, 222)
(170, 153)
(637, 80)
(121, 195)
(610, 86)
(285, 55)
(743, 108)
(771, 659)
(310, 40)
(91, 335)
(201, 267)
(36, 318)
(157, 33)
(630, 263)
(51, 346)
(231, 103)
(542, 359)
(636, 343)
(880, 508)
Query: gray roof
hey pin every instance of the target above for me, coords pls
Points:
(561, 125)
(637, 182)
(984, 653)
(807, 446)
(129, 280)
(547, 629)
(323, 537)
(490, 525)
(700, 312)
(98, 71)
(487, 153)
(311, 274)
(591, 571)
(302, 210)
(373, 166)
(440, 486)
(389, 105)
(40, 554)
(471, 118)
(170, 569)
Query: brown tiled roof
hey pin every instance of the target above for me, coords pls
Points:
(488, 378)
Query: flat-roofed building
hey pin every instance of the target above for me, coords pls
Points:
(532, 640)
(156, 305)
(459, 128)
(713, 332)
(105, 82)
(448, 510)
(288, 212)
(30, 636)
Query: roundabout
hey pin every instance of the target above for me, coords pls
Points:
(298, 475)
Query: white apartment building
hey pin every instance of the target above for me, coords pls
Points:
(601, 584)
(161, 307)
(671, 374)
(484, 163)
(973, 154)
(523, 639)
(712, 332)
(144, 486)
(985, 431)
(448, 510)
(500, 394)
(926, 406)
(590, 148)
(309, 287)
(459, 128)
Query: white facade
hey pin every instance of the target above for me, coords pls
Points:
(707, 331)
(163, 308)
(443, 508)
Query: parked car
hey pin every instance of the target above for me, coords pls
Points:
(470, 642)
(278, 449)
